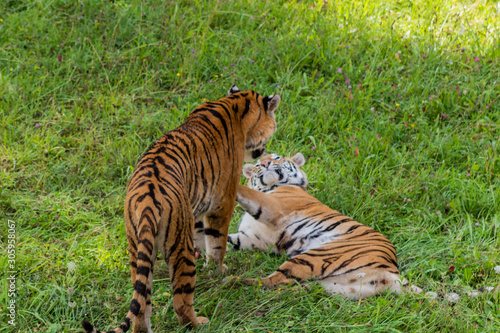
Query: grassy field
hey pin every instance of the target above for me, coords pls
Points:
(396, 106)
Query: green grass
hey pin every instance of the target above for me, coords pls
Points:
(408, 146)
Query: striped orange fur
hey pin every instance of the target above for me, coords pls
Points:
(191, 173)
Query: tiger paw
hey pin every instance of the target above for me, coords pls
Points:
(202, 320)
(230, 279)
(254, 282)
(237, 279)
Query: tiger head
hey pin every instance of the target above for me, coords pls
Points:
(273, 170)
(258, 119)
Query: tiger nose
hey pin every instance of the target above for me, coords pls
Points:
(266, 163)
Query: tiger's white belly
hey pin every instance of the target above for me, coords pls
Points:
(253, 234)
(304, 243)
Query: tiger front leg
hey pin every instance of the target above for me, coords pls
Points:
(216, 231)
(261, 206)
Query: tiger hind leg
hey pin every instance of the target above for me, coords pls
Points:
(354, 285)
(182, 270)
(143, 321)
(290, 271)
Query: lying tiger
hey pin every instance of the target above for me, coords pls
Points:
(344, 256)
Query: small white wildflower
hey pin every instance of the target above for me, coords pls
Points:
(497, 269)
(431, 295)
(473, 293)
(452, 297)
(72, 304)
(461, 31)
(361, 275)
(488, 289)
(71, 266)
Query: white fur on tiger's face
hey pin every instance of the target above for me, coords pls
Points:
(273, 170)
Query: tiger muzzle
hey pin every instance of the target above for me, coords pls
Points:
(257, 153)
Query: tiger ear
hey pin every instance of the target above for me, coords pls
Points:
(233, 90)
(273, 103)
(299, 159)
(247, 170)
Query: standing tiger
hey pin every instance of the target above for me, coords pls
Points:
(190, 173)
(344, 256)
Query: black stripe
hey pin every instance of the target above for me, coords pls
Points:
(162, 190)
(224, 108)
(299, 227)
(212, 232)
(126, 325)
(302, 262)
(140, 287)
(354, 227)
(238, 244)
(206, 121)
(143, 270)
(181, 261)
(152, 224)
(184, 289)
(135, 307)
(193, 273)
(257, 214)
(353, 269)
(247, 108)
(288, 273)
(221, 119)
(147, 244)
(151, 194)
(287, 245)
(144, 182)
